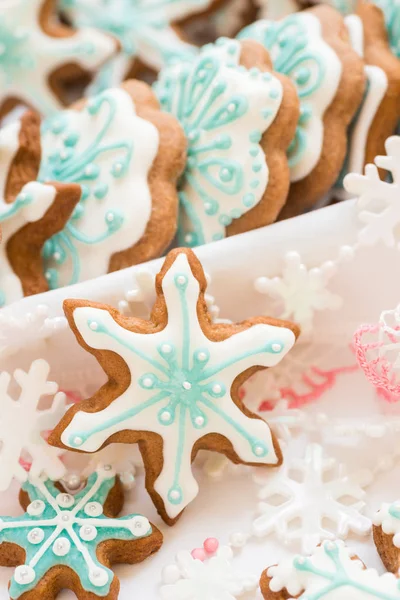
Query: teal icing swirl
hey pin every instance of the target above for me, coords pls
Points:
(287, 42)
(69, 165)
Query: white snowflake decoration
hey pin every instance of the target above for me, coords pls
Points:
(21, 425)
(124, 459)
(301, 291)
(213, 579)
(306, 501)
(31, 328)
(379, 200)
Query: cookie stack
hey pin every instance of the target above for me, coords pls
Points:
(231, 136)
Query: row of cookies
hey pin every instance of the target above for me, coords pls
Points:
(95, 188)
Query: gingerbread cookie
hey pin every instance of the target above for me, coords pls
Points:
(37, 50)
(313, 49)
(332, 572)
(173, 383)
(145, 36)
(127, 156)
(239, 119)
(70, 542)
(387, 535)
(30, 212)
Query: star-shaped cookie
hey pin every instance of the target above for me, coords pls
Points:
(173, 383)
(36, 51)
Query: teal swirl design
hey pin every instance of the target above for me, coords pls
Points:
(288, 43)
(79, 165)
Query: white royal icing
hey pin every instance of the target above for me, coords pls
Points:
(332, 573)
(299, 51)
(377, 84)
(225, 109)
(28, 55)
(180, 385)
(30, 205)
(109, 150)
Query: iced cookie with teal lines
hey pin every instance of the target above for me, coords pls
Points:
(387, 535)
(30, 212)
(147, 31)
(35, 50)
(332, 572)
(126, 156)
(173, 383)
(239, 118)
(70, 542)
(313, 49)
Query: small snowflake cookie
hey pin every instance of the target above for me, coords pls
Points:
(239, 119)
(69, 542)
(30, 211)
(173, 383)
(312, 49)
(332, 572)
(38, 52)
(146, 31)
(126, 155)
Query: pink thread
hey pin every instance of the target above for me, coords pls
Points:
(317, 388)
(199, 554)
(25, 464)
(377, 369)
(72, 396)
(211, 545)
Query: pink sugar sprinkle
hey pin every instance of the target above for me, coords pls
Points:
(198, 554)
(211, 545)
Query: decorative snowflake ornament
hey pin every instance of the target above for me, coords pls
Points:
(33, 50)
(301, 291)
(59, 529)
(22, 425)
(143, 28)
(301, 501)
(378, 200)
(332, 572)
(179, 385)
(215, 578)
(224, 109)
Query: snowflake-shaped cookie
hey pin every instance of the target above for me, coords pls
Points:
(59, 529)
(178, 385)
(22, 425)
(29, 212)
(216, 578)
(300, 502)
(332, 572)
(378, 200)
(115, 149)
(301, 291)
(34, 46)
(143, 28)
(298, 50)
(225, 109)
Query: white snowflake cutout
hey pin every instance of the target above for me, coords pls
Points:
(307, 501)
(331, 572)
(378, 200)
(224, 109)
(215, 578)
(22, 425)
(300, 290)
(31, 54)
(180, 384)
(144, 30)
(109, 150)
